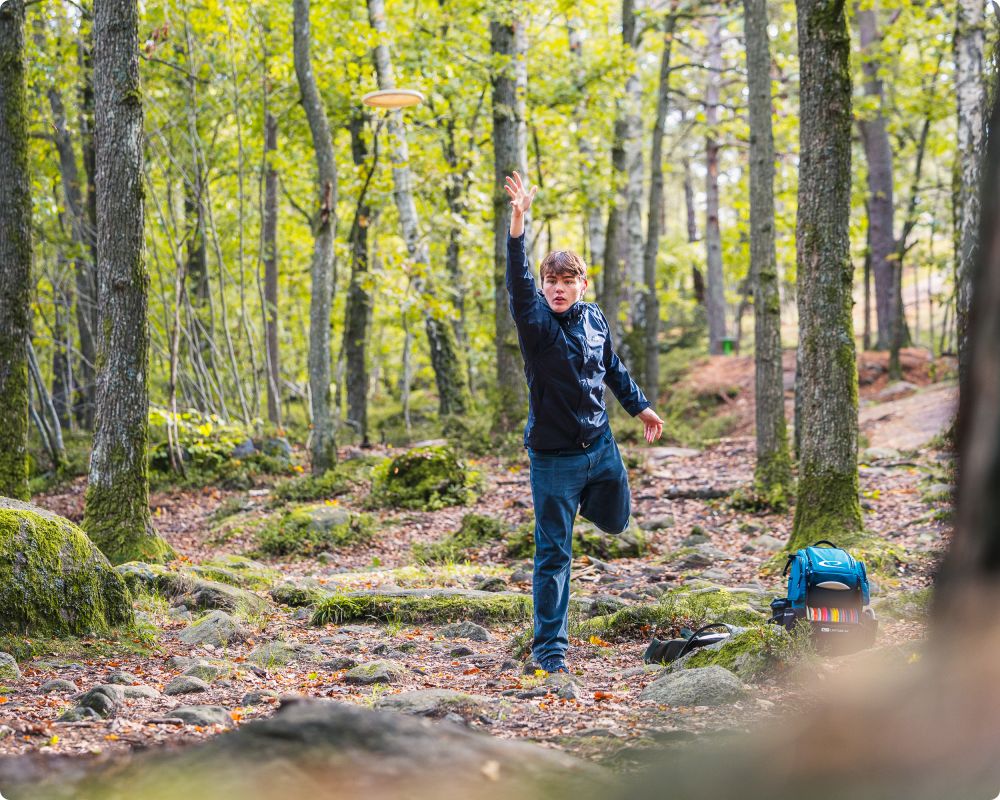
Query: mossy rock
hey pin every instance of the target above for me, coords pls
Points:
(425, 478)
(753, 654)
(191, 589)
(423, 606)
(53, 580)
(313, 529)
(299, 595)
(588, 540)
(476, 531)
(238, 571)
(680, 608)
(337, 481)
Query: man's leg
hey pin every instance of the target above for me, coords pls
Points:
(606, 500)
(556, 483)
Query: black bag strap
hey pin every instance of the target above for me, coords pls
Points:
(689, 644)
(788, 563)
(827, 541)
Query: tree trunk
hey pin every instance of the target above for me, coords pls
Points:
(973, 560)
(970, 92)
(827, 505)
(773, 471)
(270, 242)
(508, 155)
(593, 210)
(15, 254)
(650, 299)
(358, 313)
(323, 446)
(881, 236)
(62, 344)
(634, 261)
(446, 359)
(87, 281)
(715, 298)
(116, 510)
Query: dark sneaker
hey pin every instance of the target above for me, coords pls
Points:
(554, 666)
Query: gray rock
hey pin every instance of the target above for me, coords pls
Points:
(79, 714)
(704, 555)
(663, 453)
(880, 454)
(57, 685)
(375, 672)
(460, 651)
(186, 684)
(659, 522)
(244, 449)
(140, 691)
(216, 628)
(258, 697)
(896, 390)
(9, 671)
(182, 662)
(335, 664)
(694, 540)
(104, 699)
(567, 692)
(701, 686)
(765, 543)
(436, 703)
(520, 576)
(272, 654)
(122, 678)
(713, 574)
(206, 671)
(277, 447)
(465, 630)
(325, 518)
(494, 584)
(202, 715)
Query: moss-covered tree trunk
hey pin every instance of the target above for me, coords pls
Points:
(508, 155)
(15, 254)
(116, 512)
(773, 472)
(323, 446)
(447, 361)
(827, 505)
(358, 314)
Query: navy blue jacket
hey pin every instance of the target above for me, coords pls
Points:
(568, 358)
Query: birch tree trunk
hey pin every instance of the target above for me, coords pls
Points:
(87, 280)
(650, 300)
(270, 243)
(881, 238)
(446, 359)
(593, 207)
(970, 93)
(827, 504)
(715, 297)
(773, 471)
(323, 446)
(508, 155)
(15, 254)
(116, 504)
(634, 256)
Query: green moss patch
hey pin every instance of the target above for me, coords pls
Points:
(755, 654)
(313, 529)
(53, 580)
(335, 482)
(425, 478)
(476, 530)
(423, 606)
(588, 540)
(192, 590)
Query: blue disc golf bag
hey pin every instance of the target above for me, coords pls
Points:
(828, 588)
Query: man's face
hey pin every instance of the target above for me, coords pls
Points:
(561, 291)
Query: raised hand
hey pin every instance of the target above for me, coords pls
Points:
(520, 196)
(652, 424)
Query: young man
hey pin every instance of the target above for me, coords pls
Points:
(575, 463)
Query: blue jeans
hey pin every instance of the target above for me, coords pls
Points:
(592, 480)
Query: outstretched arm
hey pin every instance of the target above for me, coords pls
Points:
(628, 393)
(524, 303)
(520, 202)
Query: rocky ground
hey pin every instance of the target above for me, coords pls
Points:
(204, 659)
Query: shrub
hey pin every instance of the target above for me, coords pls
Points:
(426, 478)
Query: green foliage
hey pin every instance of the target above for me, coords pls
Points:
(760, 652)
(206, 446)
(302, 532)
(476, 530)
(425, 478)
(332, 483)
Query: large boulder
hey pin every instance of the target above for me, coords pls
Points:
(704, 686)
(321, 749)
(53, 580)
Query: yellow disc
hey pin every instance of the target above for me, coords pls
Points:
(393, 98)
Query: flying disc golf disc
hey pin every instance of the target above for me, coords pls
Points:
(393, 98)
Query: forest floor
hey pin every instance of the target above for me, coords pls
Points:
(906, 501)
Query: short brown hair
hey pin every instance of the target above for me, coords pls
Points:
(563, 262)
